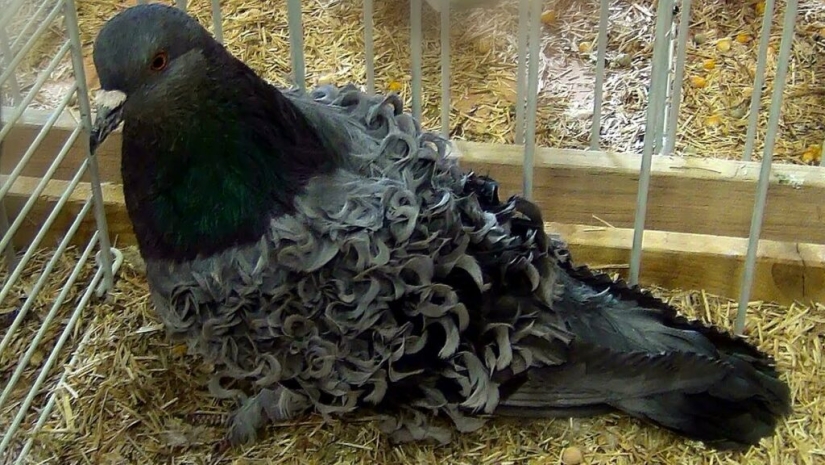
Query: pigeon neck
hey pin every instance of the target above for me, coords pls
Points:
(214, 179)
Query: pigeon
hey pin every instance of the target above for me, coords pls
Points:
(328, 255)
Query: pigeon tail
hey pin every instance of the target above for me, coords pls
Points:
(734, 413)
(632, 352)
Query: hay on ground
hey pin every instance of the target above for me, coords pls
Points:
(133, 398)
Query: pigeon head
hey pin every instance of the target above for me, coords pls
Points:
(210, 150)
(145, 56)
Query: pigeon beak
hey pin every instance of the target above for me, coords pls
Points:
(109, 105)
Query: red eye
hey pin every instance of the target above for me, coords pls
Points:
(159, 62)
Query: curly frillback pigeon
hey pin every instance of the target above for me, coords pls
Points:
(325, 254)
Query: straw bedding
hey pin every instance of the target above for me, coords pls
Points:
(133, 398)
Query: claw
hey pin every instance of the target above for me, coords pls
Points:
(220, 448)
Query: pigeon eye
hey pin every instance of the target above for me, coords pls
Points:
(159, 61)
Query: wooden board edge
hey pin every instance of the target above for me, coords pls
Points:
(691, 195)
(786, 271)
(512, 155)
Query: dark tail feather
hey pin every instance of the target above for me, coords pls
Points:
(634, 353)
(734, 412)
(727, 403)
(695, 382)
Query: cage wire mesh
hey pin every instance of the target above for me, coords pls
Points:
(28, 266)
(37, 250)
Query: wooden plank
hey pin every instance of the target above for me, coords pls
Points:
(17, 142)
(691, 195)
(120, 226)
(785, 271)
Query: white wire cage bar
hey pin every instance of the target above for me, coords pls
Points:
(767, 157)
(24, 25)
